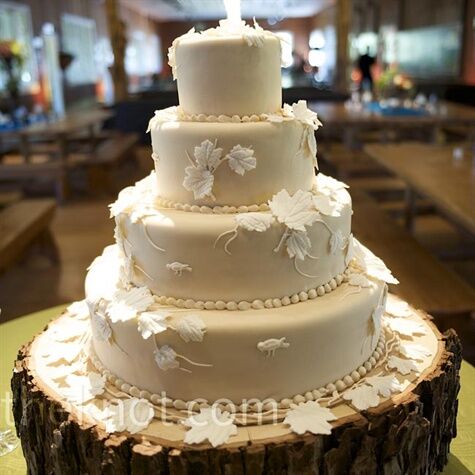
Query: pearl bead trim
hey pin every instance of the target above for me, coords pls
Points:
(257, 406)
(255, 304)
(163, 202)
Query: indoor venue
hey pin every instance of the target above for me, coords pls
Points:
(114, 118)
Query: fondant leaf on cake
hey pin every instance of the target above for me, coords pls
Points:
(132, 415)
(101, 329)
(270, 346)
(253, 38)
(336, 242)
(165, 357)
(199, 181)
(83, 388)
(413, 351)
(241, 159)
(310, 417)
(259, 222)
(326, 205)
(359, 280)
(303, 114)
(79, 309)
(350, 250)
(210, 424)
(362, 397)
(179, 267)
(295, 211)
(397, 307)
(385, 385)
(298, 245)
(403, 366)
(405, 326)
(191, 328)
(207, 155)
(126, 304)
(372, 265)
(328, 185)
(152, 323)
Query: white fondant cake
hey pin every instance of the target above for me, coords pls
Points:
(235, 275)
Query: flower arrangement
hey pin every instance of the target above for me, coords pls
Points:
(11, 62)
(394, 83)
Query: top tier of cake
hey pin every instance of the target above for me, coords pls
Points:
(228, 71)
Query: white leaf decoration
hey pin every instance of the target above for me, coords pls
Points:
(372, 265)
(413, 351)
(126, 304)
(79, 309)
(253, 38)
(84, 388)
(152, 323)
(191, 328)
(336, 241)
(210, 424)
(165, 357)
(131, 415)
(298, 245)
(303, 114)
(270, 345)
(199, 181)
(207, 156)
(406, 327)
(311, 144)
(295, 211)
(69, 329)
(397, 307)
(259, 222)
(328, 185)
(362, 397)
(403, 366)
(241, 159)
(101, 329)
(310, 417)
(358, 280)
(63, 352)
(350, 250)
(385, 385)
(178, 267)
(326, 205)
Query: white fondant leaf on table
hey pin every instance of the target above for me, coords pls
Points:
(165, 357)
(79, 309)
(362, 397)
(191, 328)
(210, 424)
(403, 366)
(298, 245)
(259, 222)
(207, 155)
(295, 211)
(336, 242)
(405, 326)
(152, 323)
(200, 181)
(359, 280)
(241, 159)
(326, 205)
(413, 351)
(397, 307)
(101, 329)
(126, 304)
(328, 185)
(132, 415)
(372, 265)
(385, 385)
(82, 389)
(310, 417)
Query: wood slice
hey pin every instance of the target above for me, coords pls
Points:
(410, 437)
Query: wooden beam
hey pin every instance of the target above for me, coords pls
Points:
(343, 21)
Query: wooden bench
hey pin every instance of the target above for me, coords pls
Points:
(424, 281)
(23, 223)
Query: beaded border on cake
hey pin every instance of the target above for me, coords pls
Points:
(163, 202)
(257, 406)
(256, 304)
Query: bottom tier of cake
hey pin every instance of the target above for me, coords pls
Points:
(283, 354)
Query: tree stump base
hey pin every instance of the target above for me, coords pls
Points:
(407, 434)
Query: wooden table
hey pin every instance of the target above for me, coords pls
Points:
(59, 132)
(431, 171)
(338, 115)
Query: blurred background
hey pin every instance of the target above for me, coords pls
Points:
(393, 81)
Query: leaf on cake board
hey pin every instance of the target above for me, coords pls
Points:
(397, 307)
(413, 351)
(152, 323)
(402, 365)
(67, 352)
(69, 329)
(310, 417)
(190, 328)
(385, 385)
(199, 181)
(126, 304)
(241, 159)
(295, 211)
(253, 221)
(362, 397)
(83, 388)
(405, 326)
(210, 424)
(79, 309)
(132, 415)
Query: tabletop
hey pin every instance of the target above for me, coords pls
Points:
(432, 171)
(17, 332)
(338, 114)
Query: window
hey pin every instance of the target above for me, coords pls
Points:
(287, 47)
(136, 62)
(78, 39)
(15, 24)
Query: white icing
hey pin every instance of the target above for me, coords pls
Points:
(178, 268)
(270, 346)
